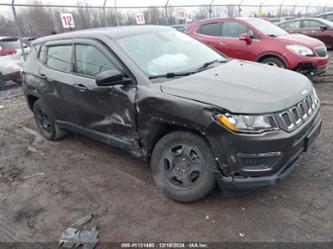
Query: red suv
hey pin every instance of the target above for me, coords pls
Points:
(258, 40)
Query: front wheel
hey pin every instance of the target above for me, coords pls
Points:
(273, 61)
(183, 166)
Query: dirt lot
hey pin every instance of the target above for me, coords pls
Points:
(45, 187)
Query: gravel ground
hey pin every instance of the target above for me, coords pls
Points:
(45, 186)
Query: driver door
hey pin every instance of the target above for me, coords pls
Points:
(107, 111)
(230, 32)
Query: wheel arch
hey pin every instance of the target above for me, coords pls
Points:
(31, 99)
(274, 55)
(161, 129)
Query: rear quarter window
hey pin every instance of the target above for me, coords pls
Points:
(211, 29)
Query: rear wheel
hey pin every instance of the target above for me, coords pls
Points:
(182, 166)
(275, 62)
(45, 122)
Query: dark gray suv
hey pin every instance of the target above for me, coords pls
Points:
(197, 116)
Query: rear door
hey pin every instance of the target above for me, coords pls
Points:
(313, 28)
(55, 80)
(109, 110)
(293, 27)
(209, 34)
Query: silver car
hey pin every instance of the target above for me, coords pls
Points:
(11, 60)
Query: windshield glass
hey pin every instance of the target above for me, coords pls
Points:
(266, 27)
(167, 51)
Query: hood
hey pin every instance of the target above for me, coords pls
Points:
(242, 87)
(300, 40)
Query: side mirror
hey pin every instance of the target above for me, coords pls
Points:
(246, 37)
(323, 28)
(111, 78)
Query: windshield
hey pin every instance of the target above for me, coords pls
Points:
(266, 27)
(167, 51)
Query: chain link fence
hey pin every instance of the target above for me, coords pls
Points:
(21, 23)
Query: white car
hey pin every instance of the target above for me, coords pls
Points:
(11, 60)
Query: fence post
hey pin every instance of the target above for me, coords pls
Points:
(104, 14)
(18, 30)
(239, 7)
(166, 12)
(210, 9)
(280, 9)
(115, 12)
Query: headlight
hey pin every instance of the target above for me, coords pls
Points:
(314, 96)
(299, 49)
(248, 123)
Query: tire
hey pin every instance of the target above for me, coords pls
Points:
(45, 122)
(275, 62)
(183, 166)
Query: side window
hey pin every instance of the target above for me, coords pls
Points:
(329, 17)
(292, 25)
(235, 29)
(90, 61)
(59, 57)
(209, 29)
(310, 24)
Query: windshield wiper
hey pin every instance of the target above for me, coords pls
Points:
(170, 75)
(187, 73)
(207, 64)
(271, 35)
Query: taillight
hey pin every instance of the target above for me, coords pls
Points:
(7, 51)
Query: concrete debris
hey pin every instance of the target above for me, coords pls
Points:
(74, 236)
(83, 220)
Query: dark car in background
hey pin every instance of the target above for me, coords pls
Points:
(180, 27)
(315, 27)
(255, 39)
(198, 117)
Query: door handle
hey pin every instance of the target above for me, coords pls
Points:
(43, 76)
(81, 87)
(222, 44)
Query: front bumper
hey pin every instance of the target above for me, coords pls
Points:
(312, 65)
(288, 149)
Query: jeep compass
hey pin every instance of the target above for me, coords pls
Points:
(196, 116)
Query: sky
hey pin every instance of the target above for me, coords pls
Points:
(246, 9)
(144, 3)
